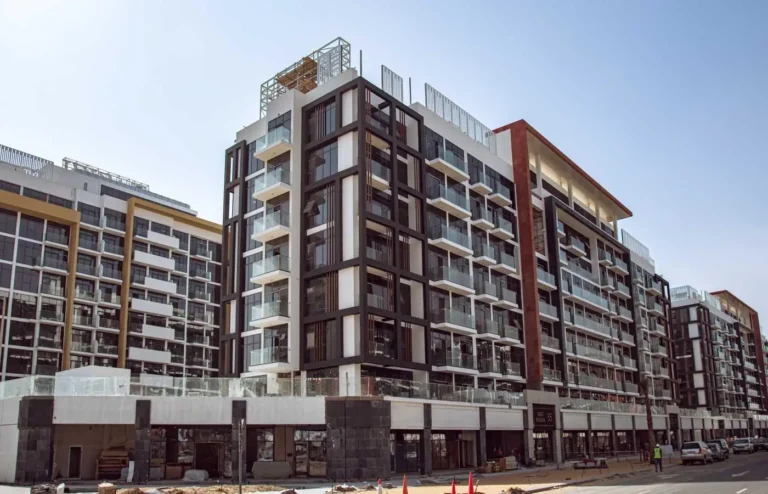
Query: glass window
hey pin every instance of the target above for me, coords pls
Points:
(58, 201)
(34, 194)
(29, 253)
(316, 207)
(140, 227)
(89, 214)
(6, 248)
(254, 164)
(8, 221)
(115, 219)
(26, 280)
(22, 333)
(24, 306)
(9, 187)
(250, 243)
(19, 362)
(323, 163)
(57, 233)
(5, 275)
(265, 444)
(183, 239)
(88, 240)
(161, 228)
(317, 250)
(253, 204)
(31, 227)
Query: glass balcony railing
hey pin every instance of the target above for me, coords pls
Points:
(439, 191)
(274, 308)
(448, 273)
(596, 382)
(451, 234)
(271, 220)
(271, 264)
(552, 374)
(623, 311)
(502, 190)
(507, 259)
(588, 296)
(485, 287)
(454, 358)
(604, 255)
(508, 295)
(274, 136)
(54, 263)
(380, 209)
(489, 365)
(84, 294)
(550, 341)
(481, 213)
(453, 316)
(504, 224)
(451, 158)
(545, 276)
(588, 323)
(487, 326)
(269, 355)
(272, 177)
(510, 369)
(547, 309)
(575, 243)
(560, 228)
(380, 170)
(621, 264)
(482, 249)
(591, 352)
(621, 287)
(512, 332)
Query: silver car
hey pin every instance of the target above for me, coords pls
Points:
(743, 445)
(696, 452)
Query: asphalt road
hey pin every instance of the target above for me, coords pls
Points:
(742, 474)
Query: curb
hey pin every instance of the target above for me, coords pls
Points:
(584, 481)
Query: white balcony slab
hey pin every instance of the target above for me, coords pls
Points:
(154, 261)
(151, 307)
(451, 246)
(448, 169)
(158, 332)
(147, 355)
(271, 233)
(162, 239)
(160, 285)
(449, 207)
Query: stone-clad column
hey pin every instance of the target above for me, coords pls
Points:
(239, 435)
(426, 441)
(143, 451)
(34, 460)
(482, 453)
(590, 449)
(358, 433)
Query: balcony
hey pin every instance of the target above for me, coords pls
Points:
(484, 253)
(506, 263)
(450, 239)
(627, 337)
(453, 320)
(606, 283)
(488, 329)
(630, 387)
(454, 361)
(507, 298)
(150, 307)
(451, 279)
(112, 250)
(548, 311)
(50, 263)
(149, 355)
(552, 374)
(584, 351)
(622, 290)
(489, 367)
(450, 164)
(486, 291)
(662, 393)
(587, 296)
(596, 327)
(654, 288)
(481, 218)
(575, 246)
(271, 184)
(624, 313)
(659, 349)
(83, 294)
(271, 269)
(449, 200)
(503, 228)
(545, 279)
(511, 334)
(604, 257)
(560, 229)
(654, 308)
(510, 369)
(160, 285)
(275, 224)
(105, 349)
(501, 195)
(113, 224)
(380, 174)
(272, 313)
(628, 362)
(274, 359)
(276, 142)
(620, 266)
(159, 332)
(479, 182)
(162, 239)
(596, 382)
(152, 260)
(550, 342)
(82, 346)
(83, 320)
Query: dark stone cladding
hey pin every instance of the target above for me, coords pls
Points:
(358, 438)
(143, 451)
(426, 441)
(34, 461)
(239, 408)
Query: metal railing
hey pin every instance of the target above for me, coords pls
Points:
(453, 358)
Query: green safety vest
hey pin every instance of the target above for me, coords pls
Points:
(656, 453)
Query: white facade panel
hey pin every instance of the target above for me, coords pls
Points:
(601, 422)
(164, 240)
(153, 260)
(349, 217)
(623, 422)
(151, 307)
(9, 411)
(160, 285)
(288, 410)
(499, 419)
(659, 423)
(158, 332)
(347, 151)
(94, 410)
(455, 418)
(697, 364)
(702, 397)
(348, 288)
(191, 411)
(574, 421)
(698, 380)
(407, 415)
(350, 335)
(149, 355)
(9, 446)
(686, 423)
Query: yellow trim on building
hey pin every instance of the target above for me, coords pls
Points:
(125, 290)
(175, 214)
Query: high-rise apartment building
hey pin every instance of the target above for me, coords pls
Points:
(95, 269)
(717, 351)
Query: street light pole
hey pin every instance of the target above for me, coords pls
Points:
(240, 454)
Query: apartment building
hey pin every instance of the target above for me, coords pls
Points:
(98, 270)
(712, 355)
(651, 295)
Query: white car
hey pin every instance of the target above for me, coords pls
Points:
(696, 452)
(743, 445)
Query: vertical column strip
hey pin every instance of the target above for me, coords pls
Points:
(74, 240)
(122, 342)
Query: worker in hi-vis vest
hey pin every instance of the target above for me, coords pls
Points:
(657, 458)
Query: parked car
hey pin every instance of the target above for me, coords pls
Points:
(761, 444)
(723, 445)
(696, 452)
(718, 453)
(743, 445)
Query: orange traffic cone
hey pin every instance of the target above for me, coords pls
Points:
(453, 485)
(405, 485)
(471, 487)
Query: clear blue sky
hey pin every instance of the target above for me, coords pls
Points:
(665, 103)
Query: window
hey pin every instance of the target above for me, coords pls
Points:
(50, 336)
(58, 201)
(199, 247)
(322, 163)
(138, 274)
(322, 120)
(157, 274)
(253, 204)
(22, 333)
(5, 275)
(180, 261)
(183, 239)
(9, 187)
(19, 362)
(88, 240)
(26, 280)
(140, 227)
(159, 251)
(322, 342)
(254, 164)
(317, 250)
(55, 258)
(265, 443)
(89, 214)
(34, 194)
(160, 228)
(31, 227)
(24, 306)
(250, 243)
(29, 253)
(317, 206)
(57, 233)
(8, 221)
(114, 219)
(47, 363)
(6, 248)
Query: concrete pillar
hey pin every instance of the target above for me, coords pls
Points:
(558, 446)
(482, 453)
(239, 439)
(143, 451)
(528, 436)
(589, 435)
(426, 441)
(614, 445)
(34, 459)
